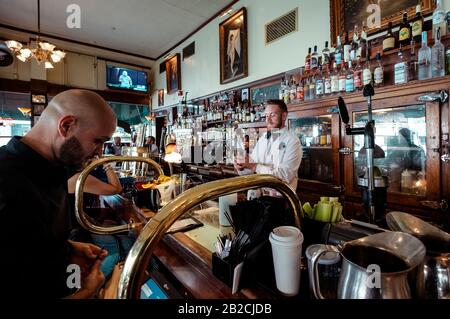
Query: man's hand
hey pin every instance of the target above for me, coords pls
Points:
(91, 283)
(85, 255)
(242, 166)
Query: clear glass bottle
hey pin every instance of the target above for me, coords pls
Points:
(334, 79)
(342, 78)
(367, 72)
(357, 75)
(439, 19)
(347, 48)
(349, 81)
(413, 63)
(437, 56)
(312, 87)
(401, 69)
(319, 83)
(326, 80)
(424, 59)
(338, 51)
(378, 73)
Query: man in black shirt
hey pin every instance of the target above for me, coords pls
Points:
(34, 209)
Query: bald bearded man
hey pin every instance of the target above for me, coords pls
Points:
(34, 210)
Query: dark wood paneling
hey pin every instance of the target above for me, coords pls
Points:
(15, 86)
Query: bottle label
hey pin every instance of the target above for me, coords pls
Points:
(378, 75)
(417, 28)
(404, 34)
(327, 86)
(334, 84)
(367, 76)
(307, 66)
(401, 73)
(342, 84)
(319, 87)
(388, 43)
(438, 17)
(325, 59)
(347, 49)
(349, 85)
(313, 63)
(338, 58)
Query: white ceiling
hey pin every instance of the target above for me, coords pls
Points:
(143, 27)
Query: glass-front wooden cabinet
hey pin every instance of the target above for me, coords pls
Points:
(412, 138)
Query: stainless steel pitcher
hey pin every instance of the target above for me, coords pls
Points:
(387, 265)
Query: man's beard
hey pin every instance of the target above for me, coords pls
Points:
(71, 153)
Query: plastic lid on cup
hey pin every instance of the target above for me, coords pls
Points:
(329, 258)
(286, 234)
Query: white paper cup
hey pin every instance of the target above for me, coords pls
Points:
(224, 206)
(286, 242)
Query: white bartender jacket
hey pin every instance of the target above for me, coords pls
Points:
(278, 153)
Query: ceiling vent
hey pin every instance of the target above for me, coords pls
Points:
(282, 26)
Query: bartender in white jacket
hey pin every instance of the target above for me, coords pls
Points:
(278, 151)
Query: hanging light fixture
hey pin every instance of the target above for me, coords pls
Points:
(44, 52)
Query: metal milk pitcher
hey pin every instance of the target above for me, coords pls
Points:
(387, 265)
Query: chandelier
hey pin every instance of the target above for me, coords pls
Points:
(44, 52)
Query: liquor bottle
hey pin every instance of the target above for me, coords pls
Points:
(287, 93)
(334, 80)
(326, 81)
(312, 87)
(378, 73)
(339, 51)
(281, 90)
(357, 75)
(306, 89)
(293, 91)
(389, 39)
(355, 44)
(424, 59)
(413, 63)
(347, 48)
(308, 61)
(439, 19)
(367, 72)
(363, 42)
(319, 83)
(437, 56)
(417, 24)
(326, 56)
(349, 81)
(401, 69)
(342, 78)
(404, 33)
(300, 92)
(314, 60)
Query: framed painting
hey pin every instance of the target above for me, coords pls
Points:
(376, 14)
(233, 47)
(173, 74)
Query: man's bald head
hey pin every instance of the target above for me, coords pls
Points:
(88, 107)
(73, 127)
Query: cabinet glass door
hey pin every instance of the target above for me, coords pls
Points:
(315, 137)
(401, 149)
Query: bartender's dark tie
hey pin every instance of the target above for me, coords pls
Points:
(269, 134)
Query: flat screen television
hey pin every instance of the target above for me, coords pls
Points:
(126, 79)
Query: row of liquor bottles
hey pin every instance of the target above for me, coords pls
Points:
(357, 47)
(239, 113)
(344, 77)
